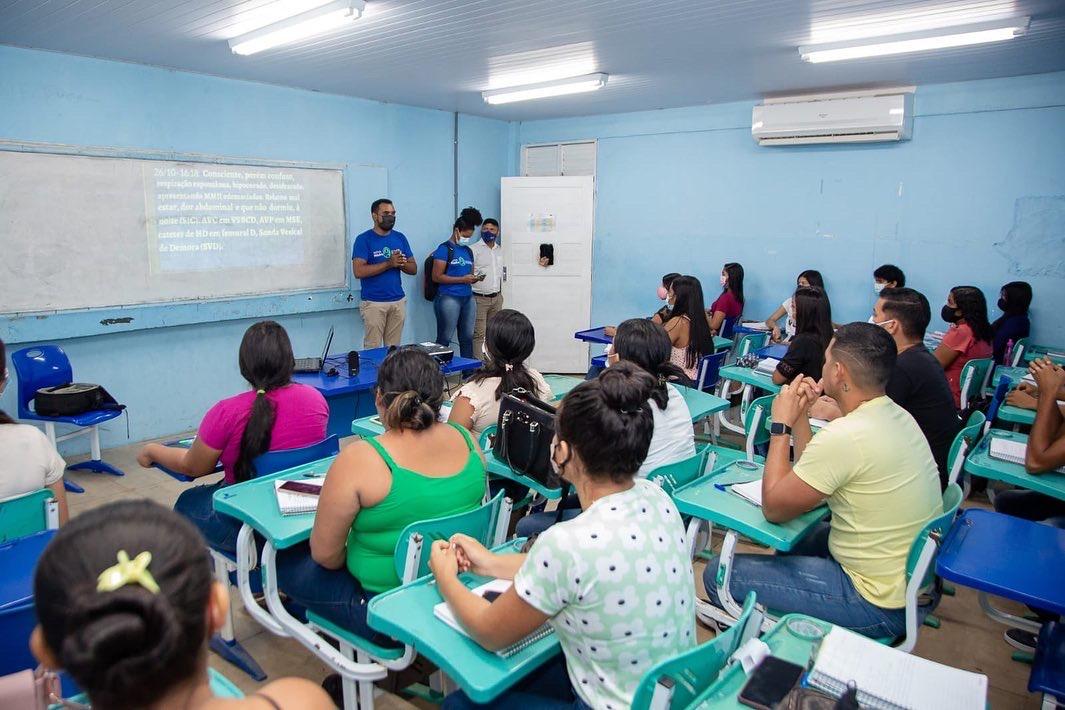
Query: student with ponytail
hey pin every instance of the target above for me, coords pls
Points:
(275, 414)
(418, 469)
(509, 341)
(126, 603)
(615, 583)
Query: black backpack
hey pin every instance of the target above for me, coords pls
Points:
(430, 287)
(73, 398)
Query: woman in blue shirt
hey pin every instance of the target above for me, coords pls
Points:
(1013, 324)
(453, 274)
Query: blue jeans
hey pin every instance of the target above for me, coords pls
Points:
(546, 688)
(331, 593)
(808, 581)
(452, 312)
(536, 523)
(220, 531)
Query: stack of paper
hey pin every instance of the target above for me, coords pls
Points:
(767, 365)
(890, 679)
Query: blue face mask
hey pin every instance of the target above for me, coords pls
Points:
(489, 237)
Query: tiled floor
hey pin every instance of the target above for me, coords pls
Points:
(967, 639)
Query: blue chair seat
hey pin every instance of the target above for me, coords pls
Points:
(382, 652)
(1048, 666)
(85, 419)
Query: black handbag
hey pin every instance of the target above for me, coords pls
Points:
(73, 398)
(526, 427)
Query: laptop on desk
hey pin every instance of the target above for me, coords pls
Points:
(315, 364)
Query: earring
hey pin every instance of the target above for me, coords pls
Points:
(846, 387)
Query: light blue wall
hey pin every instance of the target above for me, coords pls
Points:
(977, 197)
(170, 376)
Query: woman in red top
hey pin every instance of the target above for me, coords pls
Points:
(729, 305)
(969, 335)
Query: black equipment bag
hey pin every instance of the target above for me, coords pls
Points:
(430, 287)
(526, 427)
(73, 398)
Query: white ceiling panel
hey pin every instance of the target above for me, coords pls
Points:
(443, 53)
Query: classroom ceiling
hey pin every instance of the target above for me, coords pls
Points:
(443, 53)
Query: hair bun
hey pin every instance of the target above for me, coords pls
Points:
(625, 387)
(120, 639)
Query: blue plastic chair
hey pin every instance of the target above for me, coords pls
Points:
(997, 398)
(279, 460)
(728, 326)
(1048, 666)
(709, 366)
(48, 366)
(18, 559)
(225, 643)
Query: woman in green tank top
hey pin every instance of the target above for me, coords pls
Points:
(418, 469)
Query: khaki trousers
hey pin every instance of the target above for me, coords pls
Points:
(382, 322)
(486, 308)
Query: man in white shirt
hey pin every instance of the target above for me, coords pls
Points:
(487, 260)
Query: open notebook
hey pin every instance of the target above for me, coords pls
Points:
(750, 491)
(292, 503)
(490, 590)
(888, 679)
(1010, 450)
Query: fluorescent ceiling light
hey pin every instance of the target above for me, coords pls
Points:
(307, 24)
(559, 87)
(916, 41)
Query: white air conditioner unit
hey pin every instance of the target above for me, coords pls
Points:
(834, 118)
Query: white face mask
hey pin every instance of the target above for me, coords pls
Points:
(724, 280)
(883, 322)
(484, 352)
(878, 287)
(465, 241)
(872, 319)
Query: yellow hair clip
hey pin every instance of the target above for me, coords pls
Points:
(128, 571)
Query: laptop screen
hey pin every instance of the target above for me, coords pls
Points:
(328, 342)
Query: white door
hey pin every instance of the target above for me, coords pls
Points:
(555, 211)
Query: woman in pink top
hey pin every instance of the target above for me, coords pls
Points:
(969, 335)
(276, 414)
(729, 305)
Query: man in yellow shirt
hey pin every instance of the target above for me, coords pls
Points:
(874, 469)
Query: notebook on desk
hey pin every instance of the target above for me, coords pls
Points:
(1011, 451)
(750, 491)
(491, 590)
(767, 365)
(888, 679)
(292, 503)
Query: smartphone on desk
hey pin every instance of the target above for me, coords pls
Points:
(770, 682)
(307, 489)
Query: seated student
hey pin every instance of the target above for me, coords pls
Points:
(729, 305)
(873, 468)
(663, 313)
(969, 335)
(277, 414)
(418, 469)
(1013, 300)
(688, 327)
(509, 341)
(28, 461)
(615, 583)
(813, 330)
(644, 344)
(126, 603)
(807, 279)
(918, 384)
(888, 276)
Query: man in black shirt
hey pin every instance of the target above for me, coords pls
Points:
(918, 383)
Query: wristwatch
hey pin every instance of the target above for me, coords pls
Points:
(779, 429)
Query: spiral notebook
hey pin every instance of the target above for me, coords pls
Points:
(888, 679)
(490, 590)
(291, 503)
(1010, 450)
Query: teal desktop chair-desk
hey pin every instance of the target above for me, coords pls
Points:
(28, 514)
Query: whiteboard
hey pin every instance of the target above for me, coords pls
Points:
(81, 231)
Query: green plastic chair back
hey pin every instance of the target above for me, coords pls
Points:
(674, 475)
(1019, 349)
(964, 442)
(25, 515)
(479, 523)
(751, 342)
(937, 527)
(754, 422)
(695, 670)
(973, 379)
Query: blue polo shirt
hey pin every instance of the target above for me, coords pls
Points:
(373, 248)
(461, 265)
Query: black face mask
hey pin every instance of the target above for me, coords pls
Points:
(1002, 305)
(948, 315)
(387, 222)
